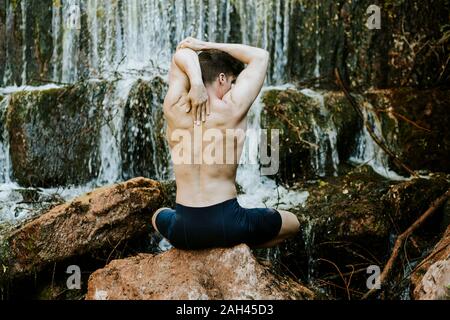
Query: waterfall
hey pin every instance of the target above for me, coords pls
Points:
(139, 37)
(23, 26)
(324, 137)
(5, 159)
(259, 190)
(125, 40)
(111, 131)
(368, 151)
(70, 40)
(8, 75)
(56, 33)
(318, 56)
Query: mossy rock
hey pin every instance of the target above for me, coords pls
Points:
(304, 124)
(333, 34)
(38, 42)
(144, 148)
(415, 123)
(54, 134)
(351, 220)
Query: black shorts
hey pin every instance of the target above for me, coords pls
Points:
(221, 225)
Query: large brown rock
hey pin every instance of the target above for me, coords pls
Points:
(431, 280)
(222, 273)
(90, 222)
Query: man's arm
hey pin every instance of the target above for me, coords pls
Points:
(250, 81)
(185, 77)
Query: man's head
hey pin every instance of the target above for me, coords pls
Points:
(219, 70)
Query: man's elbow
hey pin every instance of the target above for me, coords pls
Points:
(263, 56)
(263, 59)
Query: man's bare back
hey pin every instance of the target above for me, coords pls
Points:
(202, 183)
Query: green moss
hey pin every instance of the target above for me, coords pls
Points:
(54, 134)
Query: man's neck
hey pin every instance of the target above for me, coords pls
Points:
(211, 90)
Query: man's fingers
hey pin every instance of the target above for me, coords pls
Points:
(194, 114)
(199, 115)
(208, 107)
(188, 106)
(183, 44)
(204, 112)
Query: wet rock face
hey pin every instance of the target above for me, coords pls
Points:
(35, 36)
(413, 123)
(312, 132)
(405, 202)
(57, 136)
(54, 135)
(431, 278)
(144, 148)
(102, 217)
(329, 34)
(231, 273)
(425, 143)
(313, 36)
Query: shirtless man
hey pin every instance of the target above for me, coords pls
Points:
(212, 91)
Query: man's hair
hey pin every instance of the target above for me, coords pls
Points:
(215, 62)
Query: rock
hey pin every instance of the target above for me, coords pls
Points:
(425, 145)
(38, 42)
(144, 148)
(331, 34)
(431, 280)
(58, 136)
(328, 120)
(406, 201)
(348, 221)
(307, 119)
(54, 134)
(88, 223)
(222, 273)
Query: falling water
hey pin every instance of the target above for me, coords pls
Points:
(23, 26)
(70, 38)
(136, 37)
(5, 159)
(259, 190)
(111, 131)
(318, 56)
(8, 75)
(324, 137)
(368, 151)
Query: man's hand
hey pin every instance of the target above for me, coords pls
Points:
(187, 62)
(194, 44)
(198, 102)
